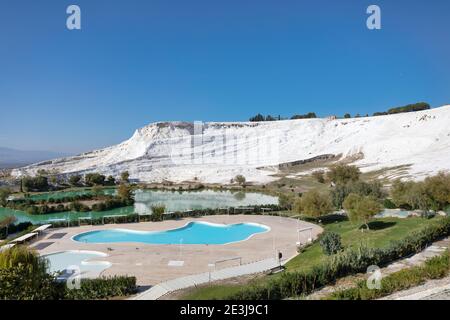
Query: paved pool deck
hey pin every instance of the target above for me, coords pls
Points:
(150, 262)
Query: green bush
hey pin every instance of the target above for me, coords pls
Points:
(21, 283)
(158, 212)
(388, 204)
(331, 243)
(103, 288)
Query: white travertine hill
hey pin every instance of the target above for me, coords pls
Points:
(216, 152)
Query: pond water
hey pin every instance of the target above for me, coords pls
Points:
(144, 199)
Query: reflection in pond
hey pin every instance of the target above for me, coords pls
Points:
(145, 199)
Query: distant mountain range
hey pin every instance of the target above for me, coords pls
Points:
(12, 158)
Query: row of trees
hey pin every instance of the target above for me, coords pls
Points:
(431, 194)
(407, 108)
(92, 179)
(259, 117)
(41, 181)
(361, 200)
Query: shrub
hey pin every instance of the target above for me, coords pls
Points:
(319, 175)
(240, 179)
(388, 204)
(331, 243)
(103, 288)
(158, 212)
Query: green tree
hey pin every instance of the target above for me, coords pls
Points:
(240, 179)
(361, 208)
(111, 180)
(314, 204)
(438, 189)
(341, 173)
(97, 190)
(286, 200)
(38, 183)
(125, 177)
(125, 192)
(23, 276)
(341, 191)
(6, 222)
(4, 194)
(75, 180)
(94, 178)
(347, 116)
(257, 118)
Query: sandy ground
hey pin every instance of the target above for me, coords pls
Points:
(149, 263)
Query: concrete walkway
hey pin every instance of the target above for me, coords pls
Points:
(431, 290)
(436, 249)
(166, 287)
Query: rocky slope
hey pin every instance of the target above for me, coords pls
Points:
(215, 152)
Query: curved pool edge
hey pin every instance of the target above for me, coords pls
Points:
(86, 262)
(267, 229)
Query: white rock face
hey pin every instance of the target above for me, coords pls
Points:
(216, 152)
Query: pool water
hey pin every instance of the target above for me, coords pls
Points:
(191, 233)
(393, 213)
(60, 261)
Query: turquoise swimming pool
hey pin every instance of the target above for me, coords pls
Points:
(191, 233)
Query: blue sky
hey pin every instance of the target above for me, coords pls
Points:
(136, 62)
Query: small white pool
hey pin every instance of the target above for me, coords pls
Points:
(394, 213)
(88, 262)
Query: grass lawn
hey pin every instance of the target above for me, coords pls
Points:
(382, 232)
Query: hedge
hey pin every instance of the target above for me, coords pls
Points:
(103, 288)
(434, 268)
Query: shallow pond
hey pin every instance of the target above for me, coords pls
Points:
(144, 199)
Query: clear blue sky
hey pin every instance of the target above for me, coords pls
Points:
(136, 62)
